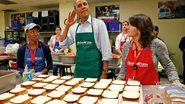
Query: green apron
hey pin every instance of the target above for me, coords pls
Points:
(88, 58)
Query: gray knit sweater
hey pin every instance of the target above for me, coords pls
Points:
(159, 53)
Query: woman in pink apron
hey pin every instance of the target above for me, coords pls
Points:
(142, 53)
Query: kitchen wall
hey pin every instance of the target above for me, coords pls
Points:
(2, 25)
(170, 30)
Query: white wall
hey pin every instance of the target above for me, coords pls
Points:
(2, 21)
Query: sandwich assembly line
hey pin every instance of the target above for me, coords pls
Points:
(92, 52)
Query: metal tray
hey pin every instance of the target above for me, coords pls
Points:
(56, 57)
(68, 59)
(114, 61)
(7, 80)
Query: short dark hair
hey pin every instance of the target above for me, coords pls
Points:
(143, 23)
(125, 22)
(58, 27)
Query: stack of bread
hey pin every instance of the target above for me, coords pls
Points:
(176, 95)
(131, 91)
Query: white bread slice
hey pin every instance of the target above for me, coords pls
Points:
(39, 85)
(55, 101)
(100, 85)
(58, 82)
(133, 83)
(130, 102)
(71, 83)
(40, 100)
(87, 84)
(21, 99)
(110, 94)
(18, 91)
(92, 80)
(79, 90)
(130, 95)
(66, 77)
(27, 83)
(42, 76)
(71, 98)
(36, 92)
(50, 87)
(88, 99)
(6, 97)
(118, 88)
(64, 88)
(95, 92)
(56, 94)
(105, 81)
(109, 101)
(132, 88)
(78, 79)
(119, 82)
(50, 79)
(37, 79)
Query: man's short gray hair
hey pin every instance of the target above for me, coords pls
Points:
(74, 3)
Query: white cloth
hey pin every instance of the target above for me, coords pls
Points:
(100, 35)
(120, 38)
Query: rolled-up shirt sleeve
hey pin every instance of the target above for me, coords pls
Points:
(69, 40)
(105, 46)
(163, 56)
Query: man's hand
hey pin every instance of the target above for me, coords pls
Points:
(71, 18)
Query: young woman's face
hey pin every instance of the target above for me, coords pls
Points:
(133, 31)
(58, 31)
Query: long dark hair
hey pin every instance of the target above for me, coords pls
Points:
(145, 25)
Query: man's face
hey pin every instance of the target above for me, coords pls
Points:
(82, 8)
(33, 34)
(125, 26)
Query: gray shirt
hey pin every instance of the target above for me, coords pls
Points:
(159, 53)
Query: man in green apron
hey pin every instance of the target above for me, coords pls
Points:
(92, 42)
